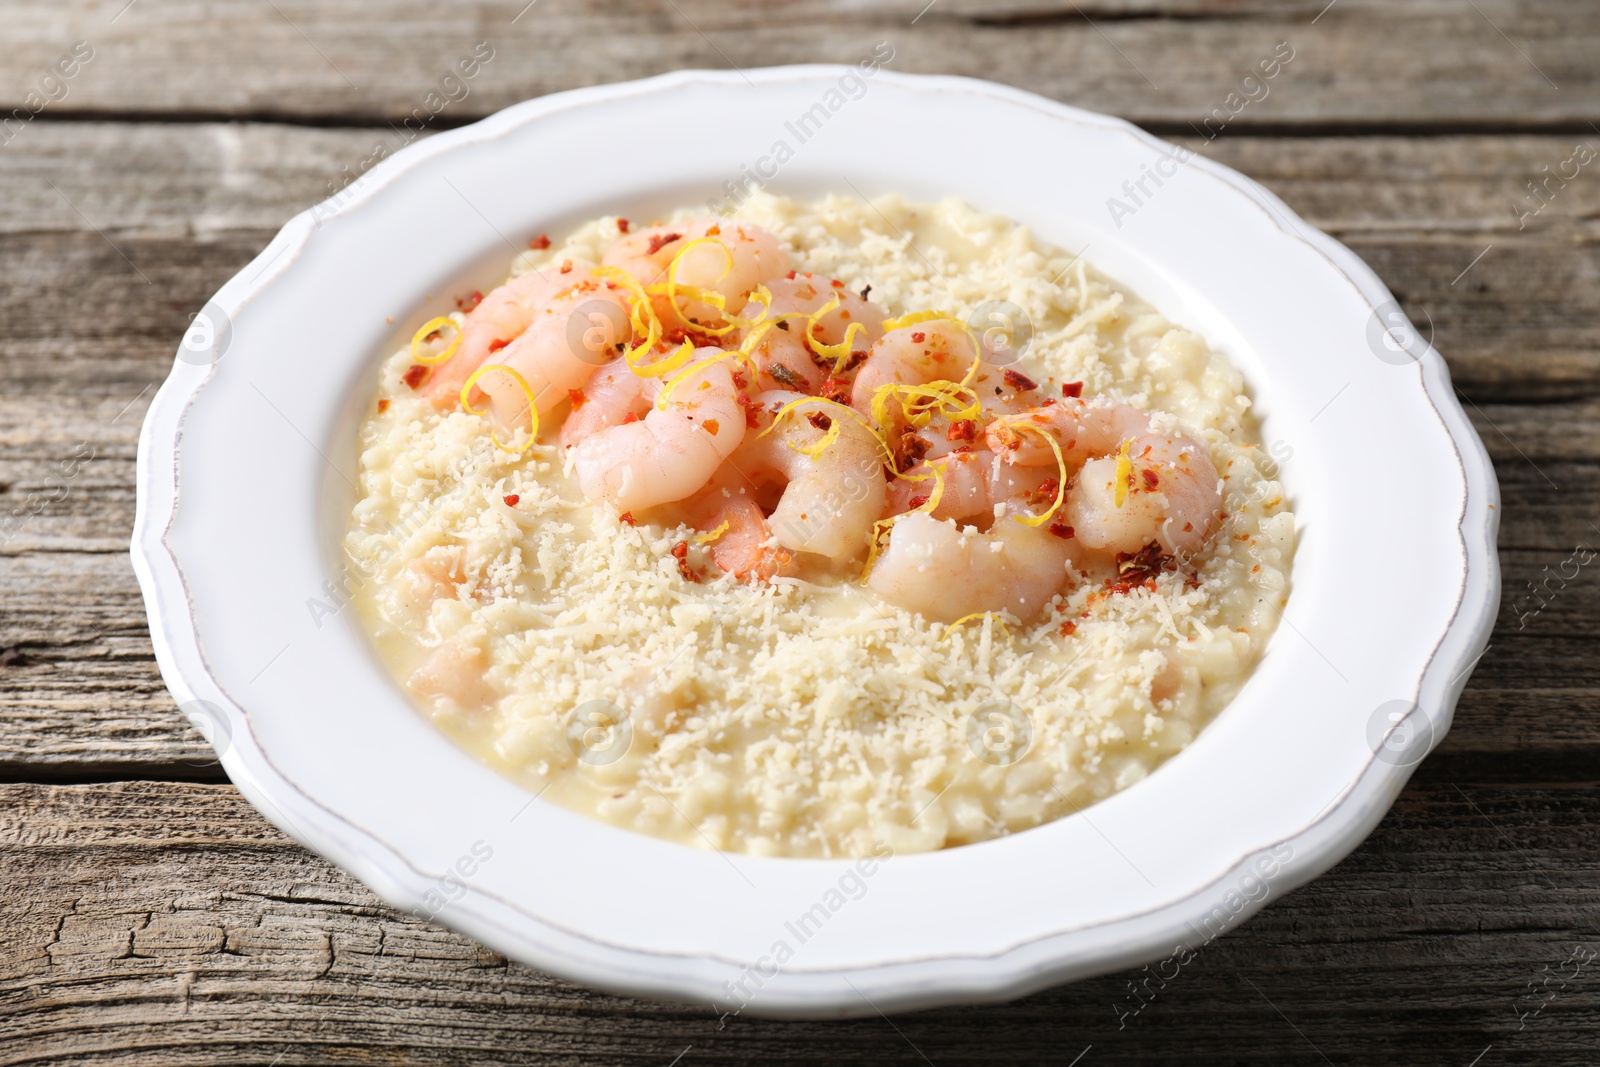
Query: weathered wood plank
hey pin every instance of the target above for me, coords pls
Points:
(1356, 65)
(164, 923)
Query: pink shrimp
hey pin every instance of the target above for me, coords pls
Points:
(1082, 429)
(786, 361)
(1171, 493)
(553, 329)
(673, 450)
(829, 500)
(610, 397)
(572, 336)
(946, 572)
(743, 545)
(975, 484)
(938, 350)
(754, 253)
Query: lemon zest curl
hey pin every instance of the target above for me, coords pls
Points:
(429, 327)
(527, 391)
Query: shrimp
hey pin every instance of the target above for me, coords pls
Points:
(646, 254)
(913, 355)
(945, 572)
(499, 318)
(436, 575)
(785, 359)
(938, 350)
(743, 541)
(673, 450)
(1172, 496)
(613, 394)
(1082, 428)
(566, 342)
(1171, 493)
(455, 672)
(830, 500)
(975, 483)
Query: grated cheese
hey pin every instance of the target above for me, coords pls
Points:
(803, 718)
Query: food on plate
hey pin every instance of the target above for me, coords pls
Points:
(815, 527)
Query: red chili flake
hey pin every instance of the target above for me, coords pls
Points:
(1044, 492)
(1139, 568)
(917, 337)
(1062, 530)
(414, 375)
(711, 426)
(910, 451)
(577, 398)
(657, 240)
(1069, 628)
(1188, 527)
(470, 301)
(631, 416)
(858, 357)
(790, 276)
(1193, 581)
(960, 450)
(1071, 388)
(622, 225)
(383, 405)
(962, 430)
(783, 325)
(1151, 479)
(714, 230)
(511, 499)
(539, 243)
(626, 517)
(566, 266)
(837, 284)
(676, 335)
(752, 411)
(497, 345)
(680, 552)
(835, 389)
(819, 419)
(1021, 383)
(917, 501)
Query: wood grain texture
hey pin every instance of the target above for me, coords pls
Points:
(1359, 65)
(169, 924)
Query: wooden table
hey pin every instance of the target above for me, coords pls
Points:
(149, 916)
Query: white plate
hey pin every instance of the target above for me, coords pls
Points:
(247, 458)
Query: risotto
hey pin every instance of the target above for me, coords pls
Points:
(815, 529)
